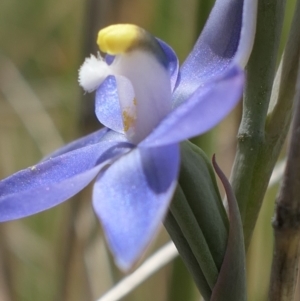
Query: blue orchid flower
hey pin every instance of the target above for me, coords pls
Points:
(147, 107)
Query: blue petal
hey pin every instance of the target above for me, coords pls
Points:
(218, 44)
(173, 65)
(131, 198)
(103, 134)
(107, 106)
(53, 181)
(205, 108)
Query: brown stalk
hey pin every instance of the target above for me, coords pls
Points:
(286, 223)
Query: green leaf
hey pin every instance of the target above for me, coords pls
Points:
(231, 283)
(197, 221)
(198, 183)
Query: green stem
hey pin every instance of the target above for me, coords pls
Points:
(282, 99)
(251, 170)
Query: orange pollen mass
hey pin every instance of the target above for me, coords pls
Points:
(128, 120)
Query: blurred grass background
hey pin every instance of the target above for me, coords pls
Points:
(60, 254)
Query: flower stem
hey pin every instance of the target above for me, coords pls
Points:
(286, 222)
(255, 159)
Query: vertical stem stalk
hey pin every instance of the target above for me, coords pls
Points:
(286, 223)
(251, 170)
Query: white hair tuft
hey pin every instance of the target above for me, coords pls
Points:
(92, 73)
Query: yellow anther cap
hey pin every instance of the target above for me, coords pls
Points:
(117, 39)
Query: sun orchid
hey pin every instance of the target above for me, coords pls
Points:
(148, 106)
